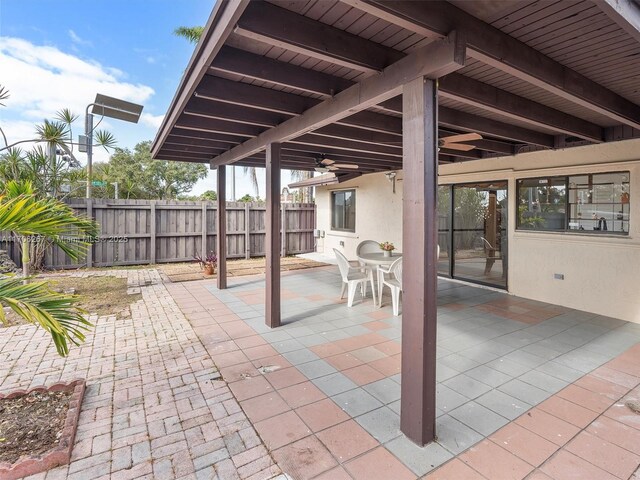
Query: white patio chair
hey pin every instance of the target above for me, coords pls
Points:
(351, 277)
(392, 277)
(368, 246)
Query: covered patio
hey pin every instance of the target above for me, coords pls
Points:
(523, 387)
(375, 85)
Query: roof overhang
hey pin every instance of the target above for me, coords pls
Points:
(265, 73)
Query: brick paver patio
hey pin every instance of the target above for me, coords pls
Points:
(155, 407)
(525, 389)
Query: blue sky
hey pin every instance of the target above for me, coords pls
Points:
(56, 54)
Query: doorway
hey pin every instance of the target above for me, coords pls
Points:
(472, 232)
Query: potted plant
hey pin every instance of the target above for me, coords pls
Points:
(387, 248)
(207, 262)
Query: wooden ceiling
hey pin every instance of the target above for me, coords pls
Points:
(538, 74)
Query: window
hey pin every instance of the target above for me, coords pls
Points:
(588, 203)
(343, 210)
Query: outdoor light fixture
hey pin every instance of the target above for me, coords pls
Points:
(391, 176)
(105, 106)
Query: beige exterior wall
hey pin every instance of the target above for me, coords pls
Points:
(601, 273)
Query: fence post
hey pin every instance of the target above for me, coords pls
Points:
(90, 249)
(204, 228)
(283, 238)
(247, 232)
(152, 228)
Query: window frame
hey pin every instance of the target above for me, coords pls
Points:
(333, 207)
(567, 183)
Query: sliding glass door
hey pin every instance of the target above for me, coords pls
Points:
(472, 232)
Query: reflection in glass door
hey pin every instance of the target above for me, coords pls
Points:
(476, 217)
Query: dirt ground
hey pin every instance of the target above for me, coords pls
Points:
(103, 295)
(31, 424)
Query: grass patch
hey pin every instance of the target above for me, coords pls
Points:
(102, 295)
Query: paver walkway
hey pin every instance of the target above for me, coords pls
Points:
(154, 406)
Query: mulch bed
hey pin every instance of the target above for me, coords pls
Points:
(38, 428)
(31, 424)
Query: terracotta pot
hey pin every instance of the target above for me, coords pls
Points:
(209, 269)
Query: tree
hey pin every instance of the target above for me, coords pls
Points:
(27, 215)
(50, 166)
(246, 198)
(209, 195)
(139, 176)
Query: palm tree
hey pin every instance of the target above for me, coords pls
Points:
(299, 175)
(192, 34)
(35, 302)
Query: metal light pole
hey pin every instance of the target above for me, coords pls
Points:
(106, 107)
(88, 135)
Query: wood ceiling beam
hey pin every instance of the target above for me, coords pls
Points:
(345, 144)
(468, 122)
(365, 136)
(487, 126)
(238, 93)
(435, 60)
(234, 113)
(459, 87)
(213, 125)
(478, 94)
(497, 49)
(195, 148)
(200, 142)
(626, 13)
(280, 27)
(257, 67)
(206, 136)
(334, 153)
(248, 97)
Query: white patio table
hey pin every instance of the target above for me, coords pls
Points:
(376, 260)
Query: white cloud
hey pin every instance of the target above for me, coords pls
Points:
(151, 120)
(43, 79)
(75, 38)
(150, 60)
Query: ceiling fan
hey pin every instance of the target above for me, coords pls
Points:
(324, 165)
(454, 142)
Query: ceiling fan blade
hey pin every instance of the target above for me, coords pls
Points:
(345, 165)
(463, 137)
(458, 146)
(332, 168)
(327, 161)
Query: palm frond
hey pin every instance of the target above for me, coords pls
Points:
(192, 34)
(252, 173)
(47, 217)
(4, 94)
(66, 116)
(56, 313)
(105, 139)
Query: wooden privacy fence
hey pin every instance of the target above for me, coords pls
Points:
(137, 232)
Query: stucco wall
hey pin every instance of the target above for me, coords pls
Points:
(378, 214)
(601, 273)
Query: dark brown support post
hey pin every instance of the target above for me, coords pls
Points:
(419, 231)
(221, 233)
(272, 245)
